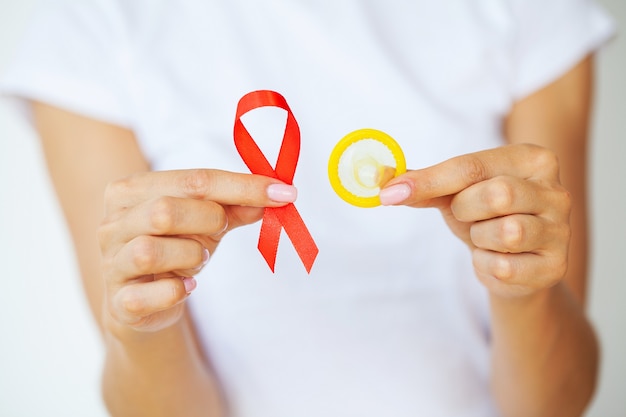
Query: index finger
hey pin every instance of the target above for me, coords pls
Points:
(223, 187)
(456, 174)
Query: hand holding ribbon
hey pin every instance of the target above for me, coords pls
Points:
(287, 217)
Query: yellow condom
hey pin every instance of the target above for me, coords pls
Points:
(362, 163)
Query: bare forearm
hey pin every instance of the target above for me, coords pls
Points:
(158, 374)
(545, 355)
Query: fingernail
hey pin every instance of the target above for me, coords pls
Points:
(223, 228)
(394, 194)
(190, 284)
(282, 193)
(205, 260)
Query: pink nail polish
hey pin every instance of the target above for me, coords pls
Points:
(395, 194)
(282, 193)
(190, 284)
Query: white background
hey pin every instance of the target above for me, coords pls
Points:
(50, 353)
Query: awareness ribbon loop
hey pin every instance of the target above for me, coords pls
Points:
(275, 218)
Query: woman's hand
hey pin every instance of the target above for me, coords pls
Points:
(507, 204)
(159, 231)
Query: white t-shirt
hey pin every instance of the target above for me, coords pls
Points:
(391, 320)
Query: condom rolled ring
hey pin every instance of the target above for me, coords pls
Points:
(361, 163)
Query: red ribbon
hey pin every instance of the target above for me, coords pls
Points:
(275, 218)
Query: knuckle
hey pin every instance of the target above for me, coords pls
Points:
(197, 183)
(565, 199)
(117, 188)
(502, 268)
(474, 169)
(512, 233)
(500, 196)
(562, 232)
(163, 215)
(125, 305)
(144, 254)
(131, 303)
(560, 198)
(545, 160)
(557, 267)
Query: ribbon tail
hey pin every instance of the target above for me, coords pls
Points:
(269, 237)
(298, 233)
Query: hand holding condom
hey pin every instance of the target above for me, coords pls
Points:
(507, 204)
(362, 163)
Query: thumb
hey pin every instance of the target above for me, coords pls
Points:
(423, 186)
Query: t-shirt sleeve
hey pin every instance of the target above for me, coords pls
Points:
(552, 37)
(72, 57)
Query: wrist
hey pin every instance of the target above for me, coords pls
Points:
(525, 309)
